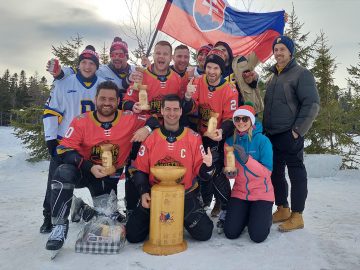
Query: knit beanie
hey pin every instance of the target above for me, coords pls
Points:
(216, 56)
(206, 48)
(89, 53)
(246, 110)
(119, 44)
(229, 50)
(288, 42)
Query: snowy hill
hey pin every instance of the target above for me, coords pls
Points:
(330, 239)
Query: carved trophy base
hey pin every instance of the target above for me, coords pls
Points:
(144, 107)
(152, 249)
(109, 170)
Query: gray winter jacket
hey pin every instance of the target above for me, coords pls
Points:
(291, 100)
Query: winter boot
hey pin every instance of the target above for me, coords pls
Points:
(221, 222)
(216, 209)
(77, 208)
(281, 214)
(46, 226)
(57, 237)
(293, 223)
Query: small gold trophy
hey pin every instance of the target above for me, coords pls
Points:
(107, 159)
(230, 159)
(143, 98)
(212, 124)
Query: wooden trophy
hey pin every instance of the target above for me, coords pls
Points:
(107, 159)
(166, 212)
(230, 159)
(143, 98)
(212, 124)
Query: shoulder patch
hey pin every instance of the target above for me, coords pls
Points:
(127, 112)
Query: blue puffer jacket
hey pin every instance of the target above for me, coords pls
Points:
(253, 181)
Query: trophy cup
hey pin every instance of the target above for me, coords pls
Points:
(166, 212)
(230, 159)
(212, 124)
(106, 159)
(143, 98)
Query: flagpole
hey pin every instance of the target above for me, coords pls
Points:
(152, 42)
(160, 24)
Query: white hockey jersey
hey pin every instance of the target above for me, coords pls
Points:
(69, 97)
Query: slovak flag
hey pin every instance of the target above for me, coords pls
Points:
(199, 22)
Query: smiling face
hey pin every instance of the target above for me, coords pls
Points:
(201, 58)
(87, 68)
(242, 123)
(171, 113)
(106, 102)
(282, 55)
(162, 59)
(181, 59)
(119, 58)
(213, 73)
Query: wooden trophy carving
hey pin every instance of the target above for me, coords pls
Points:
(212, 124)
(166, 212)
(107, 159)
(230, 159)
(143, 98)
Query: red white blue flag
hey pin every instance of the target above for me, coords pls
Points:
(199, 22)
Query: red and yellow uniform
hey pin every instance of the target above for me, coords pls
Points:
(186, 150)
(157, 87)
(222, 99)
(86, 135)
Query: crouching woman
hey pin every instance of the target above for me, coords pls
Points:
(252, 195)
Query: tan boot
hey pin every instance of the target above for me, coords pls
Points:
(281, 214)
(293, 223)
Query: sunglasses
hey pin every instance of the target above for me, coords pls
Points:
(244, 119)
(121, 55)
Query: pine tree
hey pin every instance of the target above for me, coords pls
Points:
(104, 55)
(329, 131)
(68, 54)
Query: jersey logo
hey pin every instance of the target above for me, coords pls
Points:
(209, 14)
(95, 155)
(71, 91)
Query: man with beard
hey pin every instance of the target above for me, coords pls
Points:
(80, 154)
(175, 144)
(213, 94)
(118, 70)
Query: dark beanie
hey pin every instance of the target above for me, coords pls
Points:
(216, 56)
(288, 42)
(89, 53)
(119, 44)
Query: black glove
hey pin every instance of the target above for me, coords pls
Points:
(231, 174)
(241, 151)
(51, 146)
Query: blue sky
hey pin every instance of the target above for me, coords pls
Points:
(29, 28)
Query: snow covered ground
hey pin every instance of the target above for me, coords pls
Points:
(330, 239)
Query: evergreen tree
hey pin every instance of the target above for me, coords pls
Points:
(68, 54)
(329, 131)
(104, 55)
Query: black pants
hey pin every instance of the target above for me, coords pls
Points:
(196, 221)
(65, 179)
(218, 185)
(54, 163)
(289, 152)
(256, 215)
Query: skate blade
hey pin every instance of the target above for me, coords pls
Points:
(53, 254)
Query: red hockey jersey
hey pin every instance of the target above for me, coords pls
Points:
(186, 151)
(86, 135)
(222, 100)
(157, 87)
